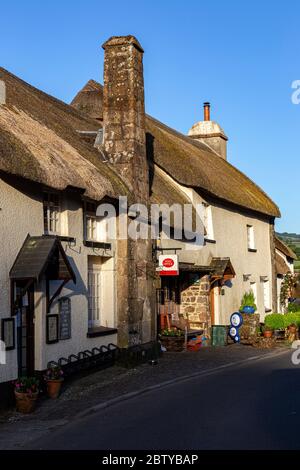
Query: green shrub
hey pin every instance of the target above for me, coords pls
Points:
(275, 321)
(293, 308)
(248, 300)
(290, 318)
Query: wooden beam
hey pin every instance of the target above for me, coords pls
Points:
(56, 293)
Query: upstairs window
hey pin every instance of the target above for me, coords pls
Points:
(208, 222)
(250, 237)
(90, 221)
(52, 213)
(94, 227)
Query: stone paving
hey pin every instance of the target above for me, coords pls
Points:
(17, 430)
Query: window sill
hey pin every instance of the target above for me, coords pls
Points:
(209, 240)
(252, 250)
(100, 331)
(62, 238)
(92, 244)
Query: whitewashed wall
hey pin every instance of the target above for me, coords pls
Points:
(230, 234)
(22, 213)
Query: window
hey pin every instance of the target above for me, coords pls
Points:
(51, 204)
(266, 287)
(208, 222)
(90, 221)
(94, 295)
(94, 227)
(250, 237)
(254, 290)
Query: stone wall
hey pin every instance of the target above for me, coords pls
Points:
(125, 145)
(195, 302)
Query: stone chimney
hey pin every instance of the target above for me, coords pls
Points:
(124, 142)
(124, 112)
(211, 133)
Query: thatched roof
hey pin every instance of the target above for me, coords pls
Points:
(192, 163)
(88, 102)
(39, 141)
(286, 250)
(280, 265)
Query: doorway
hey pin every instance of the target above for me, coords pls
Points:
(25, 330)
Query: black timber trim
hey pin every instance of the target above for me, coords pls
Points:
(100, 331)
(92, 244)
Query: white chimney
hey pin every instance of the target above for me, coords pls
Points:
(211, 133)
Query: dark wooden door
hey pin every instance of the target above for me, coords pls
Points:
(26, 334)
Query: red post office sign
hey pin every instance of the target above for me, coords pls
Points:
(168, 265)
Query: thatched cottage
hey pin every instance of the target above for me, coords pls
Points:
(65, 287)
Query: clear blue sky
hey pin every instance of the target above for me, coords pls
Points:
(241, 56)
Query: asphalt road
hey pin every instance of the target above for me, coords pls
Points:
(253, 406)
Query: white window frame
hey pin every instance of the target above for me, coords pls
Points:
(208, 221)
(250, 237)
(52, 213)
(94, 296)
(93, 228)
(253, 287)
(266, 291)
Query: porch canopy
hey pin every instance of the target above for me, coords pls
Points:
(222, 268)
(219, 268)
(38, 257)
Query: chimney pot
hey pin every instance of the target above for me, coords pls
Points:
(206, 107)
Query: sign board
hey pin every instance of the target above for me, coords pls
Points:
(51, 329)
(168, 265)
(64, 318)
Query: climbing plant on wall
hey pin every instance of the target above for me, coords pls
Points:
(289, 282)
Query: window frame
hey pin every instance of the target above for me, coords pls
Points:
(48, 206)
(251, 238)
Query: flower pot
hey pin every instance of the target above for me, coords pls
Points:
(25, 402)
(248, 309)
(279, 334)
(173, 343)
(53, 387)
(268, 334)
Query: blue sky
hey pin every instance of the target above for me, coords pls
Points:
(240, 56)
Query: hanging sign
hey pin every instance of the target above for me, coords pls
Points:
(168, 265)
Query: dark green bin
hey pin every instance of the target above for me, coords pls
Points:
(218, 335)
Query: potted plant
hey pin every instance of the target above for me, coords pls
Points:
(276, 321)
(26, 393)
(268, 331)
(54, 379)
(248, 303)
(172, 339)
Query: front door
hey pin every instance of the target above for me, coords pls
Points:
(25, 323)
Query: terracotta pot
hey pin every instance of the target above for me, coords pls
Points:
(268, 334)
(53, 387)
(25, 403)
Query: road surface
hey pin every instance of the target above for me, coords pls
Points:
(253, 406)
